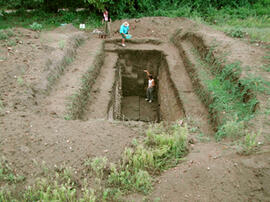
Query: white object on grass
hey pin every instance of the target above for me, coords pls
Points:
(82, 26)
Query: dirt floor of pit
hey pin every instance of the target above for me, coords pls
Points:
(136, 108)
(32, 128)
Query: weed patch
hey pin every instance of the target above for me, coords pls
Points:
(232, 101)
(162, 148)
(7, 174)
(61, 186)
(249, 144)
(36, 26)
(11, 43)
(3, 35)
(229, 101)
(62, 44)
(235, 32)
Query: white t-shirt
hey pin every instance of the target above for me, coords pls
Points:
(106, 16)
(150, 83)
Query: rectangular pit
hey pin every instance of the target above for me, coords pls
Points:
(128, 99)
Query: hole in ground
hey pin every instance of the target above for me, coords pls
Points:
(128, 102)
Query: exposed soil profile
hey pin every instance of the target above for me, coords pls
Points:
(67, 96)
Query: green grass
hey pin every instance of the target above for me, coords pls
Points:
(225, 94)
(61, 186)
(249, 144)
(254, 21)
(6, 34)
(231, 100)
(254, 27)
(228, 99)
(39, 20)
(62, 44)
(36, 26)
(7, 174)
(3, 35)
(162, 149)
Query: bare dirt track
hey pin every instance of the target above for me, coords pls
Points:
(51, 76)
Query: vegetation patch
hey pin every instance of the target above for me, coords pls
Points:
(6, 34)
(236, 33)
(36, 26)
(233, 100)
(7, 174)
(249, 144)
(162, 148)
(230, 98)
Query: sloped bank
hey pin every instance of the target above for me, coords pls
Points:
(81, 98)
(210, 72)
(57, 62)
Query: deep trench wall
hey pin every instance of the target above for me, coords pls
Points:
(170, 106)
(114, 110)
(133, 62)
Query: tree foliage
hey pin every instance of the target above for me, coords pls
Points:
(131, 8)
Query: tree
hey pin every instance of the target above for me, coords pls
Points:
(99, 4)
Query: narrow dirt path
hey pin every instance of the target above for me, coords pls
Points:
(70, 82)
(101, 91)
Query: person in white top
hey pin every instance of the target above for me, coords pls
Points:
(107, 20)
(150, 87)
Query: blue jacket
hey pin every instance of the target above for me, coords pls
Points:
(124, 29)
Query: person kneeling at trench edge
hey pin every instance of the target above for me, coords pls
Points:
(150, 87)
(124, 31)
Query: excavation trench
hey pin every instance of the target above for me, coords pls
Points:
(128, 89)
(131, 84)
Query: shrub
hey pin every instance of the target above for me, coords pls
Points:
(36, 26)
(128, 179)
(235, 32)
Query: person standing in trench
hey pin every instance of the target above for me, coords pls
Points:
(150, 87)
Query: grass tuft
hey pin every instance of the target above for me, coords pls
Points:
(249, 144)
(162, 149)
(7, 174)
(36, 26)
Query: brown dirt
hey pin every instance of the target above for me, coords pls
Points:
(32, 128)
(101, 90)
(70, 82)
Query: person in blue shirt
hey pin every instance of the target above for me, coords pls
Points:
(124, 31)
